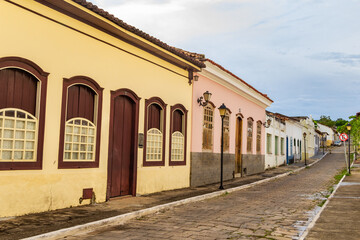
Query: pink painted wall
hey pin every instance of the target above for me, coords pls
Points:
(233, 101)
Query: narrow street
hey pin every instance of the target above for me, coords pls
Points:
(278, 209)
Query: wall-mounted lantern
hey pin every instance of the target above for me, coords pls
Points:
(267, 123)
(206, 96)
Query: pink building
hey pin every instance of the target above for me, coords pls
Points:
(244, 132)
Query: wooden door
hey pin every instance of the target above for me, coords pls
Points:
(123, 157)
(238, 142)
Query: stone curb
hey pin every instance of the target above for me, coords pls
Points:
(123, 218)
(317, 216)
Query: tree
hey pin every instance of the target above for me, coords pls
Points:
(355, 130)
(340, 122)
(326, 120)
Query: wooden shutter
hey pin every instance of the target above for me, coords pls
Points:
(154, 115)
(80, 102)
(177, 121)
(18, 90)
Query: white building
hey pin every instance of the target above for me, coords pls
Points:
(275, 140)
(330, 136)
(308, 127)
(294, 140)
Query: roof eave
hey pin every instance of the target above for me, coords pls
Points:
(92, 15)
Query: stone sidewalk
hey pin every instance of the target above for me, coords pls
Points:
(35, 224)
(341, 216)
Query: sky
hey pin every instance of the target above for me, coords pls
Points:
(304, 54)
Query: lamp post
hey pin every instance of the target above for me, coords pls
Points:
(222, 110)
(304, 134)
(348, 126)
(323, 140)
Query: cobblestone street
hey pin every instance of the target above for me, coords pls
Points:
(278, 209)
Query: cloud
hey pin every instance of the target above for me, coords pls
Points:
(343, 58)
(303, 54)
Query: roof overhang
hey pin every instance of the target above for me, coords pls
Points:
(212, 71)
(89, 17)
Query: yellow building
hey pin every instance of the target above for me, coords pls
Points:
(90, 108)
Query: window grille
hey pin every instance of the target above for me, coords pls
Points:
(250, 135)
(154, 145)
(177, 146)
(79, 140)
(208, 127)
(18, 135)
(258, 137)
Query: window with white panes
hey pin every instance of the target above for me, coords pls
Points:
(18, 135)
(22, 114)
(154, 145)
(177, 146)
(155, 132)
(80, 135)
(178, 126)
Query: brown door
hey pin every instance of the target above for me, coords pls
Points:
(238, 141)
(123, 157)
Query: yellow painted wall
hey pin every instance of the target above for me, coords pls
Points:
(65, 53)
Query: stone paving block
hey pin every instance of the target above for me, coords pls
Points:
(267, 210)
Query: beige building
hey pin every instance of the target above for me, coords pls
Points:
(90, 108)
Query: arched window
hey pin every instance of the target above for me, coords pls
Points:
(258, 136)
(178, 133)
(154, 139)
(250, 122)
(22, 114)
(208, 125)
(226, 132)
(80, 123)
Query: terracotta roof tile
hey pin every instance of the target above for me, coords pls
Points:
(138, 32)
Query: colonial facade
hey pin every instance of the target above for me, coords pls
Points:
(330, 134)
(90, 108)
(275, 140)
(244, 133)
(294, 140)
(308, 127)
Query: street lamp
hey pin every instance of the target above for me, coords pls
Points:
(222, 110)
(304, 134)
(348, 127)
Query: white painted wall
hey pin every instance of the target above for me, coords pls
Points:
(330, 138)
(278, 129)
(309, 128)
(294, 131)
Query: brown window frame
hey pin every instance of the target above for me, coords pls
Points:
(99, 91)
(163, 105)
(226, 135)
(212, 129)
(42, 77)
(258, 136)
(183, 109)
(248, 136)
